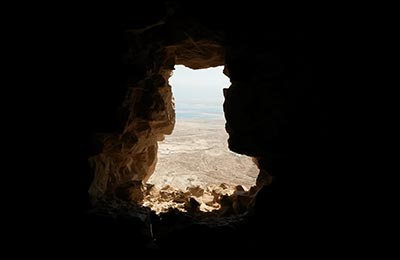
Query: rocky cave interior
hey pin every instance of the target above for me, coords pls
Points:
(128, 159)
(274, 111)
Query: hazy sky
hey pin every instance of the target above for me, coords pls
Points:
(198, 93)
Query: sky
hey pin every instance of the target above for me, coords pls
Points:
(198, 93)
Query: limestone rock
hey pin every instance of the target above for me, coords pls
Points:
(131, 191)
(192, 204)
(132, 154)
(263, 178)
(197, 54)
(208, 199)
(239, 188)
(241, 201)
(180, 198)
(195, 191)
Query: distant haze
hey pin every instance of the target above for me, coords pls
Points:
(198, 93)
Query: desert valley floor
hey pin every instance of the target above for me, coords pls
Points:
(197, 154)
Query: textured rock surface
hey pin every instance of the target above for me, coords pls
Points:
(197, 54)
(287, 80)
(273, 108)
(193, 199)
(131, 154)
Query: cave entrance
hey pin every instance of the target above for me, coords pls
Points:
(195, 158)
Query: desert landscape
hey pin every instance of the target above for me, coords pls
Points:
(197, 154)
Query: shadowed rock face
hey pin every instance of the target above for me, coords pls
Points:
(198, 54)
(131, 154)
(273, 108)
(267, 107)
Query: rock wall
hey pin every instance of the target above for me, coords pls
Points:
(131, 154)
(276, 109)
(271, 107)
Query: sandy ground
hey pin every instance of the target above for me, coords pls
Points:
(197, 154)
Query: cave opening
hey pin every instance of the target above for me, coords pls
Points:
(195, 159)
(276, 110)
(124, 168)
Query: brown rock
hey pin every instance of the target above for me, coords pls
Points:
(131, 191)
(152, 191)
(263, 178)
(239, 188)
(195, 191)
(226, 205)
(208, 199)
(197, 54)
(224, 186)
(181, 197)
(241, 201)
(192, 204)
